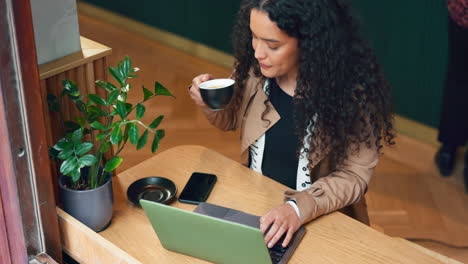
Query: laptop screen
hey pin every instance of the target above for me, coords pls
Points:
(206, 237)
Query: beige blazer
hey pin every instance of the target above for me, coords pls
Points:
(342, 189)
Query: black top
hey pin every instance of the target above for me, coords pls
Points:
(279, 157)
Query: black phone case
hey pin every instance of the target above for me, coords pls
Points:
(204, 197)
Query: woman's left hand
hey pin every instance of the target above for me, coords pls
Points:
(282, 218)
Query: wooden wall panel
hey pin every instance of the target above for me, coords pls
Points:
(84, 76)
(50, 120)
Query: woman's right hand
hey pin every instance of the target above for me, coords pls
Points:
(194, 90)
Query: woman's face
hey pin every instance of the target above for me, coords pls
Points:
(277, 52)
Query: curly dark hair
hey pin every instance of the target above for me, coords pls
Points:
(338, 80)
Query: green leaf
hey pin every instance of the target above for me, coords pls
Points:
(101, 136)
(157, 137)
(68, 136)
(80, 105)
(142, 140)
(96, 110)
(87, 160)
(133, 133)
(105, 147)
(53, 102)
(83, 148)
(77, 136)
(140, 111)
(121, 70)
(65, 154)
(106, 85)
(159, 89)
(118, 123)
(125, 135)
(70, 86)
(129, 107)
(155, 144)
(127, 65)
(156, 122)
(112, 97)
(71, 94)
(96, 99)
(113, 163)
(161, 133)
(81, 122)
(116, 135)
(146, 94)
(63, 144)
(121, 109)
(74, 96)
(103, 85)
(68, 166)
(76, 175)
(53, 153)
(117, 76)
(98, 125)
(92, 117)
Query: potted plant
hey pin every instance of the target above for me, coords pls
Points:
(104, 123)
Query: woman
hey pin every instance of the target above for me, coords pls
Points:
(312, 105)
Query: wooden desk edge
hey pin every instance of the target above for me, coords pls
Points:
(87, 246)
(442, 258)
(90, 51)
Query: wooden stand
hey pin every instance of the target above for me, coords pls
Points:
(84, 68)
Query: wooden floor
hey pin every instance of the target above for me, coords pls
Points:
(407, 198)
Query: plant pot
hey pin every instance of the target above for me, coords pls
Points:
(91, 207)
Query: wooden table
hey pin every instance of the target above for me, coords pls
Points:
(334, 238)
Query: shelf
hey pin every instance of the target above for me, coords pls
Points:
(90, 51)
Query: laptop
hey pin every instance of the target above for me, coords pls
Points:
(216, 234)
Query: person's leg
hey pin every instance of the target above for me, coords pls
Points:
(465, 171)
(453, 127)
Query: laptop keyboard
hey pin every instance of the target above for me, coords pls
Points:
(277, 251)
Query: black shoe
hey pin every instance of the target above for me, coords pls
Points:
(445, 160)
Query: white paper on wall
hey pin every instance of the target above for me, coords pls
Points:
(56, 29)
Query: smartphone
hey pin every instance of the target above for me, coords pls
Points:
(197, 188)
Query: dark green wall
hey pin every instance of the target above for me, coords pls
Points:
(409, 38)
(206, 21)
